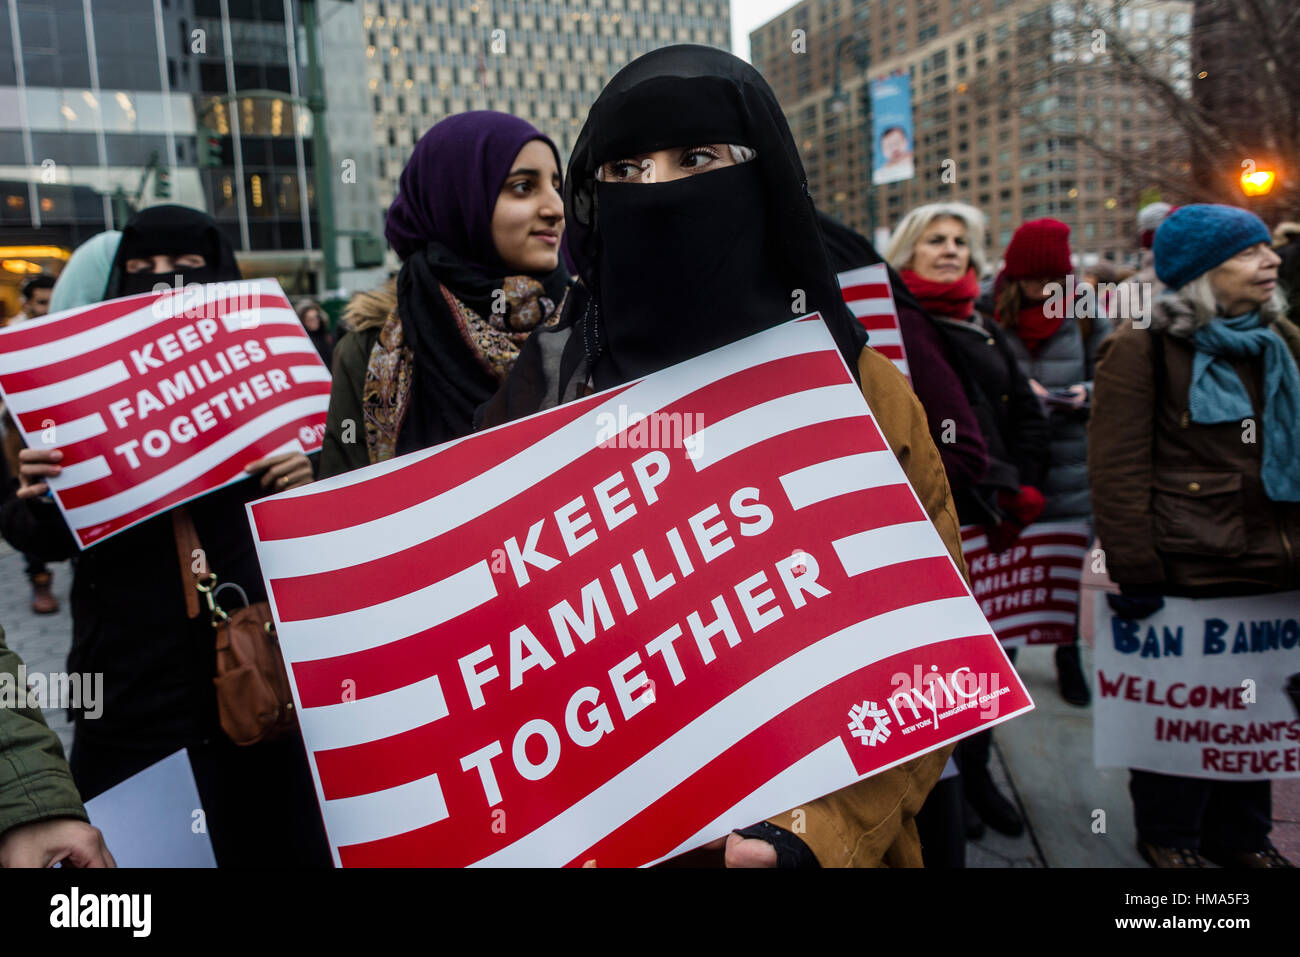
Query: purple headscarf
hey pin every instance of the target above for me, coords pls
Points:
(449, 188)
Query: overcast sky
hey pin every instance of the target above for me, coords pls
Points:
(747, 15)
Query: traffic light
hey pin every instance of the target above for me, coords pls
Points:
(162, 183)
(209, 148)
(367, 251)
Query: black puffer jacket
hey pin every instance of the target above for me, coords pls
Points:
(1015, 428)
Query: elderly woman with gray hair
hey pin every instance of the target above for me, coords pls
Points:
(1184, 506)
(938, 250)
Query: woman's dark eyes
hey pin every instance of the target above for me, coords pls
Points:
(527, 186)
(690, 159)
(706, 155)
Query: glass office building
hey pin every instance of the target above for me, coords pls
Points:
(121, 104)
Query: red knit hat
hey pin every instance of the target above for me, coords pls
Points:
(1040, 249)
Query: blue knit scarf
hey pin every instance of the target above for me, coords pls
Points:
(1218, 395)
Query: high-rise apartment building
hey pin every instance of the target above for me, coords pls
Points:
(1006, 94)
(543, 60)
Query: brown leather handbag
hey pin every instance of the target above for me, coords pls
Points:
(254, 700)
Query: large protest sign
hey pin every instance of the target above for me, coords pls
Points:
(1029, 592)
(1204, 688)
(617, 629)
(159, 398)
(867, 292)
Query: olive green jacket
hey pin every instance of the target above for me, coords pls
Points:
(344, 447)
(35, 782)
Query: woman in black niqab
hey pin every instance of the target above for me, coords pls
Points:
(173, 231)
(131, 625)
(675, 269)
(676, 265)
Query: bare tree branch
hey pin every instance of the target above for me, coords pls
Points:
(1249, 108)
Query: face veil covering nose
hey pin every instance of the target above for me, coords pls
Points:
(671, 270)
(171, 231)
(679, 268)
(682, 268)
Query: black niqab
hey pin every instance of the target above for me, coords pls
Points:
(171, 231)
(672, 270)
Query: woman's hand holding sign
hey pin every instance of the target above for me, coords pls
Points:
(279, 472)
(282, 472)
(35, 466)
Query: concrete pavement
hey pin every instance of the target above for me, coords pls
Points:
(42, 641)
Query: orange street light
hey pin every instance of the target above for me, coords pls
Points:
(1257, 183)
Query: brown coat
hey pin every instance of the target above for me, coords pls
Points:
(1177, 502)
(872, 823)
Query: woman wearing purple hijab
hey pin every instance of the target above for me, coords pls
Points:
(477, 222)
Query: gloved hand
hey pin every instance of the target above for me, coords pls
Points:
(1136, 601)
(790, 850)
(1020, 508)
(1024, 506)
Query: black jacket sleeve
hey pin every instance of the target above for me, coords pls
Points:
(1030, 431)
(953, 426)
(35, 527)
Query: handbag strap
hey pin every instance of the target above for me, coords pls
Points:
(187, 542)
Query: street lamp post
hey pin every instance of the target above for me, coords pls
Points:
(862, 60)
(321, 150)
(1257, 184)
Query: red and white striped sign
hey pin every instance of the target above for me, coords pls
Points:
(1030, 592)
(593, 635)
(159, 398)
(868, 293)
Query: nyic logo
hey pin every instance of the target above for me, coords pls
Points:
(943, 695)
(860, 714)
(310, 435)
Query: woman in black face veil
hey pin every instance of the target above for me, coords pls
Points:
(130, 621)
(691, 225)
(693, 264)
(164, 243)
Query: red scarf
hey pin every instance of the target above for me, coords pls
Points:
(1035, 328)
(955, 300)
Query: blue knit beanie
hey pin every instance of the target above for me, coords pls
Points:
(1195, 239)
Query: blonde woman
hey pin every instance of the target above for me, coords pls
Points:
(939, 251)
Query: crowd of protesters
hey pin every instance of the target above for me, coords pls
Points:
(685, 197)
